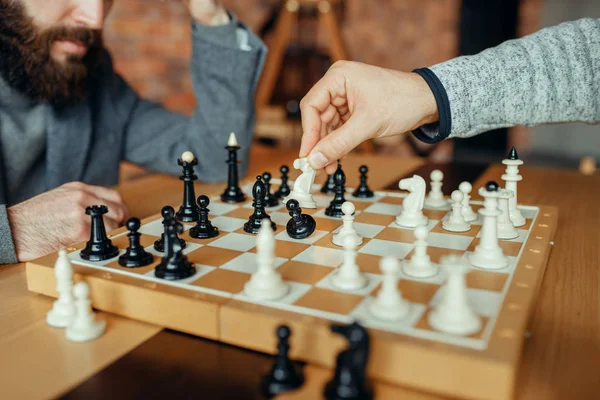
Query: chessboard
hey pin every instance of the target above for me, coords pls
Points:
(212, 303)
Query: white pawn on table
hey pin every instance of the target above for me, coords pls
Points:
(456, 221)
(467, 212)
(347, 229)
(389, 305)
(435, 198)
(348, 276)
(84, 326)
(420, 265)
(412, 215)
(63, 309)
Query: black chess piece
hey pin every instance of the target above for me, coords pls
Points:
(284, 190)
(363, 191)
(233, 193)
(159, 245)
(255, 221)
(512, 155)
(350, 381)
(491, 186)
(335, 207)
(284, 375)
(188, 212)
(204, 229)
(270, 199)
(329, 185)
(99, 247)
(174, 265)
(135, 256)
(301, 225)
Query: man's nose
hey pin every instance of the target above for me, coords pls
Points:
(89, 13)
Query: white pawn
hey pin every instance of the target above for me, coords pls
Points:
(389, 304)
(420, 265)
(506, 228)
(347, 229)
(435, 198)
(348, 276)
(453, 314)
(63, 309)
(266, 283)
(467, 211)
(456, 222)
(84, 326)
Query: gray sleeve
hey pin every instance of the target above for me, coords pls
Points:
(8, 254)
(551, 76)
(225, 72)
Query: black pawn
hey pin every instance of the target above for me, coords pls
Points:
(255, 221)
(204, 228)
(174, 265)
(329, 185)
(350, 381)
(159, 245)
(284, 375)
(284, 189)
(99, 247)
(135, 256)
(491, 186)
(363, 191)
(301, 225)
(233, 193)
(188, 212)
(335, 207)
(270, 199)
(512, 155)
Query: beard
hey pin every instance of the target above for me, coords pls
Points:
(26, 62)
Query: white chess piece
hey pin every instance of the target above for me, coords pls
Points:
(412, 206)
(506, 229)
(348, 276)
(420, 265)
(488, 254)
(511, 177)
(389, 304)
(63, 309)
(456, 222)
(347, 229)
(266, 283)
(435, 198)
(84, 326)
(453, 314)
(467, 211)
(303, 185)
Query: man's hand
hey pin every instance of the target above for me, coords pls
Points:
(57, 219)
(355, 102)
(208, 12)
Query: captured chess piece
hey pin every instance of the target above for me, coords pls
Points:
(270, 199)
(159, 245)
(233, 193)
(84, 325)
(389, 304)
(284, 375)
(456, 221)
(301, 225)
(350, 379)
(347, 229)
(204, 229)
(99, 247)
(363, 191)
(174, 265)
(412, 205)
(135, 256)
(329, 185)
(63, 309)
(254, 222)
(335, 207)
(188, 212)
(284, 189)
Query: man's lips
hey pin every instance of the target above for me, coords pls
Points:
(71, 47)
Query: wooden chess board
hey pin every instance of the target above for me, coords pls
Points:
(211, 304)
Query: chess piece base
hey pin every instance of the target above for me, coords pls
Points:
(507, 232)
(337, 391)
(344, 283)
(308, 227)
(467, 325)
(486, 259)
(204, 232)
(338, 238)
(185, 270)
(136, 262)
(334, 210)
(84, 334)
(389, 312)
(411, 220)
(517, 219)
(266, 288)
(61, 315)
(304, 199)
(456, 227)
(363, 194)
(159, 245)
(254, 224)
(416, 270)
(233, 195)
(271, 386)
(187, 215)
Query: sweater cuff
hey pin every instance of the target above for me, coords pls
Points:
(437, 131)
(8, 255)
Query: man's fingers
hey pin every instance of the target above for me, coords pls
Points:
(337, 144)
(110, 224)
(117, 212)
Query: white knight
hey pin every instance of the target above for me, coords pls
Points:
(412, 206)
(303, 184)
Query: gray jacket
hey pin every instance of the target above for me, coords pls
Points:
(87, 142)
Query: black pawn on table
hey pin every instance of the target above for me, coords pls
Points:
(363, 191)
(284, 375)
(188, 212)
(350, 381)
(255, 221)
(204, 229)
(99, 247)
(233, 193)
(174, 265)
(135, 256)
(270, 199)
(284, 190)
(159, 245)
(335, 207)
(301, 225)
(491, 186)
(329, 185)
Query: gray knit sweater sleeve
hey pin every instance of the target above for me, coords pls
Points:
(551, 76)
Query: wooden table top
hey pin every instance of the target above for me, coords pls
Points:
(560, 359)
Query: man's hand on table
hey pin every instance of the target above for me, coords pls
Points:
(57, 219)
(355, 102)
(208, 12)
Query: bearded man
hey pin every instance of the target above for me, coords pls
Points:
(67, 119)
